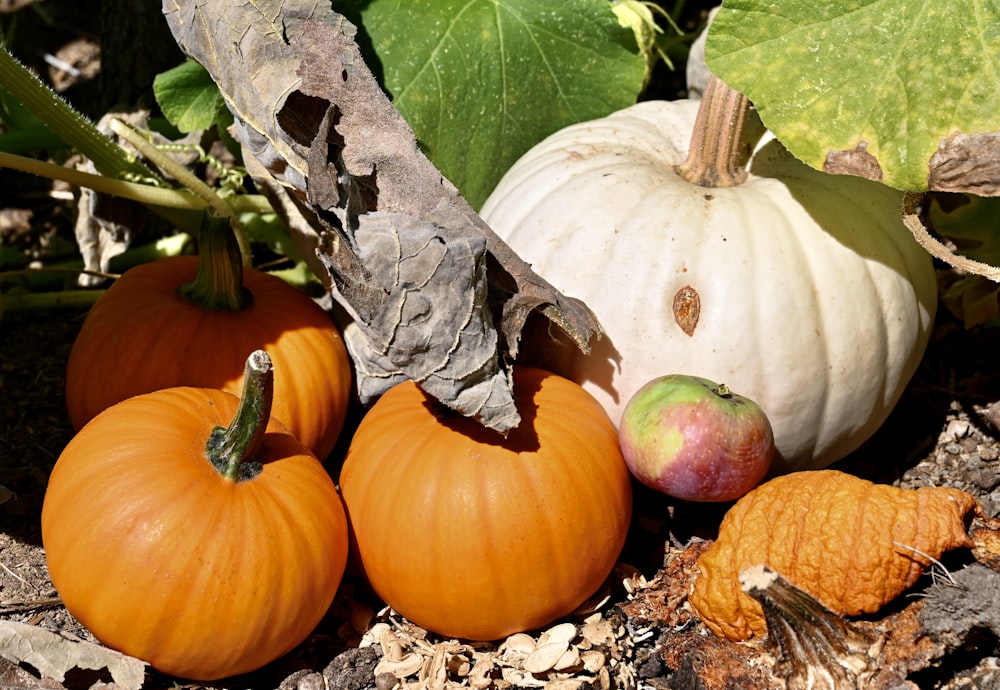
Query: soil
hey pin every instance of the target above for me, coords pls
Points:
(638, 630)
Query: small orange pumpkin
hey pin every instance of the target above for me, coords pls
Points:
(475, 535)
(192, 321)
(206, 551)
(852, 544)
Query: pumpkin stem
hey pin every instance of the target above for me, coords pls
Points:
(232, 449)
(715, 158)
(811, 640)
(219, 282)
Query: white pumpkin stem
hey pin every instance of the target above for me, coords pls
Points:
(715, 157)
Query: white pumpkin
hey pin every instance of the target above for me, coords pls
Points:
(811, 296)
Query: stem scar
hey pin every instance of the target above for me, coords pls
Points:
(687, 309)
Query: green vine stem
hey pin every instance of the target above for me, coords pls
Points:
(218, 284)
(38, 301)
(143, 193)
(232, 450)
(715, 157)
(169, 166)
(108, 157)
(52, 276)
(186, 178)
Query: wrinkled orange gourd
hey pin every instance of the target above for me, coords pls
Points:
(851, 544)
(475, 535)
(143, 335)
(164, 558)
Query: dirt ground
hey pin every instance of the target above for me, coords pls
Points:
(636, 633)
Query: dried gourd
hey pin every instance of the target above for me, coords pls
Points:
(852, 544)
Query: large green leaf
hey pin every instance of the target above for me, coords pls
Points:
(872, 87)
(481, 81)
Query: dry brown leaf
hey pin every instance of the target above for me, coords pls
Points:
(445, 304)
(54, 655)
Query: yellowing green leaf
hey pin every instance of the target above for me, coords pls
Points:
(873, 87)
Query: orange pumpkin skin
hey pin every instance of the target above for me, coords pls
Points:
(141, 336)
(475, 536)
(162, 558)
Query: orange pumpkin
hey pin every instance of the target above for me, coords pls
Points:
(474, 535)
(205, 551)
(143, 334)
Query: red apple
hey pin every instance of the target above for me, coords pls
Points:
(695, 440)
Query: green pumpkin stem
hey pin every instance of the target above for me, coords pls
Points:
(715, 158)
(218, 284)
(232, 450)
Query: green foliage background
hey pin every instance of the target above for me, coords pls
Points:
(480, 82)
